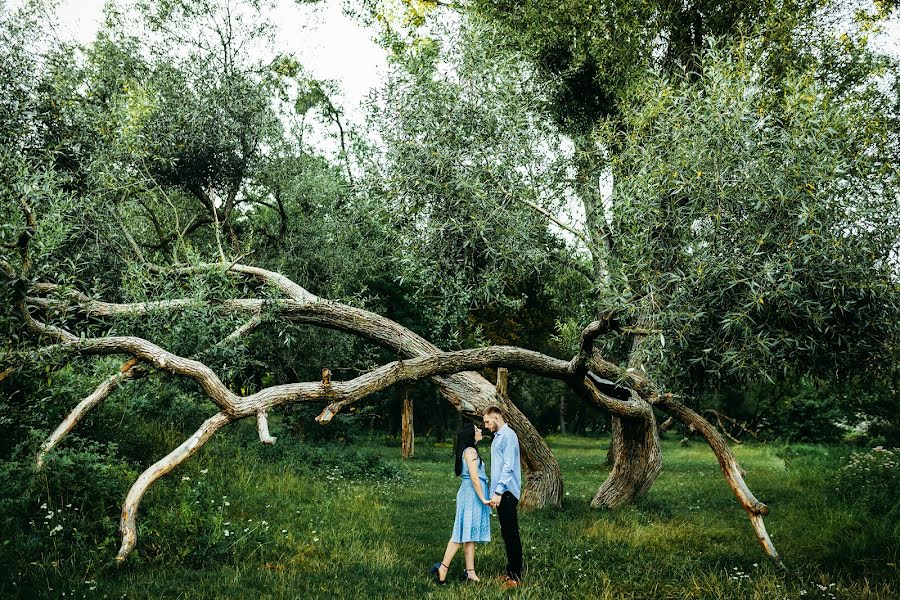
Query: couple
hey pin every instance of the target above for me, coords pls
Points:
(475, 498)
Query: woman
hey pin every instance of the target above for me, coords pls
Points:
(473, 514)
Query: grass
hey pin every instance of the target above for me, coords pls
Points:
(301, 531)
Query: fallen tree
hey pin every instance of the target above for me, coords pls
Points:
(626, 393)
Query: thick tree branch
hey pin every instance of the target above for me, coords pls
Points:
(128, 521)
(730, 467)
(130, 370)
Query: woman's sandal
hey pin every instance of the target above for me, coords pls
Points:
(435, 570)
(466, 578)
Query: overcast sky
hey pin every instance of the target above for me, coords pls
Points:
(328, 44)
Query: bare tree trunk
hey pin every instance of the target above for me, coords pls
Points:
(637, 460)
(634, 448)
(407, 435)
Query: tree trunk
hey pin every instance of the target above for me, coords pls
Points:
(637, 460)
(407, 436)
(542, 486)
(634, 448)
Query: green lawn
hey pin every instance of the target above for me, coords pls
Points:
(301, 531)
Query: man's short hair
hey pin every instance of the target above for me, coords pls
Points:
(493, 409)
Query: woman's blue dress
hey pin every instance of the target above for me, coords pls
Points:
(473, 518)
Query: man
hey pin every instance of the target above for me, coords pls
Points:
(506, 484)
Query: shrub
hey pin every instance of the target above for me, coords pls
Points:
(871, 480)
(809, 416)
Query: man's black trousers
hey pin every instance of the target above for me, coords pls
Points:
(509, 530)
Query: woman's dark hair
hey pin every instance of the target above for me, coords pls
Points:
(464, 439)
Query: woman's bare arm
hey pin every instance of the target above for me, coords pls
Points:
(472, 462)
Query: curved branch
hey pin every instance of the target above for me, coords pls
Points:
(127, 523)
(162, 359)
(100, 394)
(443, 363)
(590, 333)
(131, 370)
(730, 467)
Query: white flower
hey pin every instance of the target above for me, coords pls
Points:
(56, 530)
(204, 471)
(185, 478)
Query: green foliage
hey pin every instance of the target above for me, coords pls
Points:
(69, 509)
(466, 151)
(809, 416)
(759, 224)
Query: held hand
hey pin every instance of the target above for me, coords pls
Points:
(495, 500)
(486, 502)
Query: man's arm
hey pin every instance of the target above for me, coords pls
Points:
(506, 469)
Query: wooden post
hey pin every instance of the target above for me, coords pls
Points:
(407, 436)
(502, 382)
(562, 414)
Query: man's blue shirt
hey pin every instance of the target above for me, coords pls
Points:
(506, 470)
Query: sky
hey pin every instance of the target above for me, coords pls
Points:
(328, 43)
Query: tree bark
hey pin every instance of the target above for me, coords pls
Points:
(634, 447)
(562, 414)
(637, 460)
(407, 434)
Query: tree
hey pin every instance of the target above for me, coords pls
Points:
(605, 66)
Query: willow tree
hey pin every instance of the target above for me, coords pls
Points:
(712, 172)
